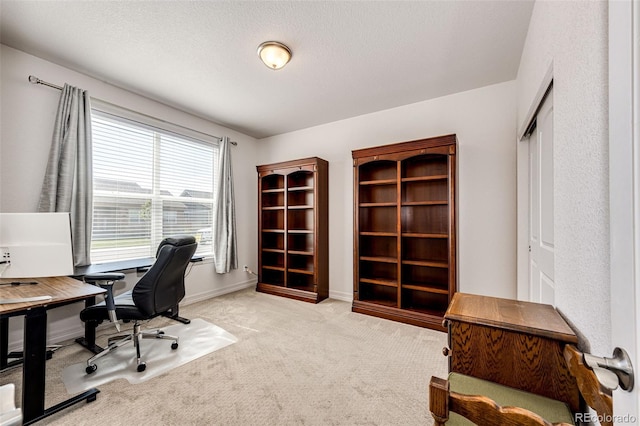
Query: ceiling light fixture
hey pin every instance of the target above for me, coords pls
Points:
(275, 55)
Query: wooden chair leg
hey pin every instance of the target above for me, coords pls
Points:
(439, 400)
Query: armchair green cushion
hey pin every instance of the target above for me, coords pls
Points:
(549, 409)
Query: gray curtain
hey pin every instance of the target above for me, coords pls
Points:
(68, 183)
(225, 252)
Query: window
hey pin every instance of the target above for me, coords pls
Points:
(150, 181)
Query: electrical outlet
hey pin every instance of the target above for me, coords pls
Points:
(249, 271)
(5, 254)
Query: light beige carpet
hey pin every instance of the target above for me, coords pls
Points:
(294, 363)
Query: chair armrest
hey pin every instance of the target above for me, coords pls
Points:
(484, 410)
(107, 280)
(96, 279)
(478, 409)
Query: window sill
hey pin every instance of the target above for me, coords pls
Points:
(123, 265)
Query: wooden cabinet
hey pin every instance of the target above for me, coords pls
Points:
(404, 223)
(513, 343)
(293, 257)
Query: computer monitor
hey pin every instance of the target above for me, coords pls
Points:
(35, 244)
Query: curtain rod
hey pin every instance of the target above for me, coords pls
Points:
(36, 80)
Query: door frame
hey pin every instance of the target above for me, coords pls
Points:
(523, 285)
(624, 188)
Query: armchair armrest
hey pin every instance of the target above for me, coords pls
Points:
(452, 408)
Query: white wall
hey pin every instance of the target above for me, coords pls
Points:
(572, 36)
(484, 121)
(27, 116)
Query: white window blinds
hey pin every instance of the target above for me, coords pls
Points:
(149, 183)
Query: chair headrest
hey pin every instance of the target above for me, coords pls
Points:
(177, 241)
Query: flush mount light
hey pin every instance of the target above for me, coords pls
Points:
(275, 55)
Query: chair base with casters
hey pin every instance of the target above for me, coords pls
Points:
(136, 337)
(157, 293)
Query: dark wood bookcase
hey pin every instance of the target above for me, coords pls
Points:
(405, 230)
(293, 220)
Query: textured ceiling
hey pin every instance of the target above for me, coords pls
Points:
(349, 58)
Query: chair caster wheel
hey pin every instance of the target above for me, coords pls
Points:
(174, 345)
(141, 367)
(91, 368)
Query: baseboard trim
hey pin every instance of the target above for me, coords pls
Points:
(194, 298)
(57, 336)
(341, 295)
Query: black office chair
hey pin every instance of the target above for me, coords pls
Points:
(158, 292)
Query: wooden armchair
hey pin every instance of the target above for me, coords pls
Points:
(464, 400)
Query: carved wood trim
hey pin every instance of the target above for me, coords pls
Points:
(593, 393)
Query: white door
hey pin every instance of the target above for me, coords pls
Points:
(624, 193)
(541, 239)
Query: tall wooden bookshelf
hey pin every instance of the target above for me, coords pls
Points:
(293, 220)
(405, 230)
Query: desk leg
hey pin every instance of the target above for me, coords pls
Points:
(33, 372)
(5, 355)
(4, 343)
(89, 339)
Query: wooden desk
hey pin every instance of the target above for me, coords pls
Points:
(63, 290)
(516, 344)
